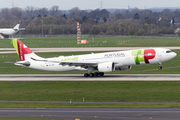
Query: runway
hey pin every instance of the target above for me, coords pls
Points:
(89, 113)
(80, 77)
(93, 113)
(36, 50)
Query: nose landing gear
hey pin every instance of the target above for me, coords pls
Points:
(160, 67)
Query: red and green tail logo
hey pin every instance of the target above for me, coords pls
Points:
(20, 48)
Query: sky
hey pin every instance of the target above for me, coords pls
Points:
(90, 4)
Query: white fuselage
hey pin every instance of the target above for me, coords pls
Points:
(120, 58)
(8, 31)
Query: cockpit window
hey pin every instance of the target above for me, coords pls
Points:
(168, 51)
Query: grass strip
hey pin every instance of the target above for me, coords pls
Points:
(124, 41)
(86, 105)
(92, 91)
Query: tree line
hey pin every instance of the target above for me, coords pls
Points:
(95, 22)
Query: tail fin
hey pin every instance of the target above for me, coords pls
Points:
(23, 51)
(16, 27)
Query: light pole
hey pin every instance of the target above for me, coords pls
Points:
(19, 30)
(42, 28)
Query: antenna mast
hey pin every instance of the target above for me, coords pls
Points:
(101, 4)
(12, 3)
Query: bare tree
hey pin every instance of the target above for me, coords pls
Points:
(5, 13)
(30, 12)
(54, 11)
(17, 13)
(98, 14)
(167, 12)
(177, 13)
(74, 13)
(41, 12)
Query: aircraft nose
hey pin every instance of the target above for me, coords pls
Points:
(174, 54)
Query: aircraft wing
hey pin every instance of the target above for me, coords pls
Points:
(83, 64)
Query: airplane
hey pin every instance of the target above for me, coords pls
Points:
(103, 62)
(5, 32)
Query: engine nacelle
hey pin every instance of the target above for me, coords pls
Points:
(123, 68)
(106, 67)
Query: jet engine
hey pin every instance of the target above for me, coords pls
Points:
(106, 67)
(123, 68)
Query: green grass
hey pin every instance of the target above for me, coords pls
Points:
(170, 35)
(114, 91)
(91, 91)
(87, 105)
(168, 68)
(124, 41)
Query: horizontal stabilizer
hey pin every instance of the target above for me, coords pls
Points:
(10, 62)
(25, 63)
(22, 28)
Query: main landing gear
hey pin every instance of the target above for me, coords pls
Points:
(96, 74)
(160, 67)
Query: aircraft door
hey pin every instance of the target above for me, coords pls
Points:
(159, 54)
(42, 64)
(127, 55)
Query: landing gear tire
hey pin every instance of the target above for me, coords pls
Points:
(86, 75)
(96, 74)
(101, 74)
(91, 75)
(160, 67)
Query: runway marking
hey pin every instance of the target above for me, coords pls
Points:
(90, 113)
(80, 102)
(80, 77)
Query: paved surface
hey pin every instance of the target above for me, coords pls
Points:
(80, 77)
(93, 113)
(90, 113)
(15, 101)
(11, 50)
